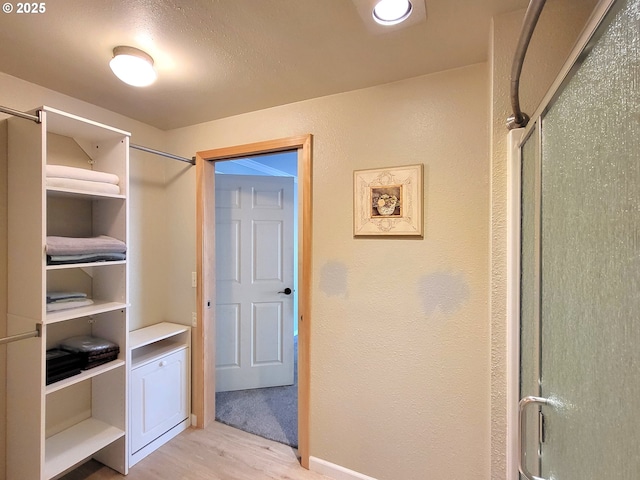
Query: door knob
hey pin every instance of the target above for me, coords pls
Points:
(286, 291)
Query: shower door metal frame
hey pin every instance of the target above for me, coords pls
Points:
(604, 11)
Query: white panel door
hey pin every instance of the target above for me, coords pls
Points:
(254, 282)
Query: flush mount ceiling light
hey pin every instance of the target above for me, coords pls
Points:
(392, 12)
(133, 66)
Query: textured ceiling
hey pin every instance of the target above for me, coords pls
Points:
(217, 58)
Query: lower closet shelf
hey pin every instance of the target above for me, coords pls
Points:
(74, 444)
(84, 375)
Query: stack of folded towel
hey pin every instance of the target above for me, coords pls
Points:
(82, 179)
(64, 300)
(63, 250)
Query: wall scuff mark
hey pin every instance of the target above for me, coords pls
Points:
(444, 290)
(333, 279)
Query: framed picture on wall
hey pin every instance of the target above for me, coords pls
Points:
(388, 201)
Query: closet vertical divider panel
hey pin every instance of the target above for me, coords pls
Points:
(25, 303)
(52, 428)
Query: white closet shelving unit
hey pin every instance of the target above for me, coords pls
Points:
(52, 428)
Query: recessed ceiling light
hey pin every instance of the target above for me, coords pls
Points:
(133, 66)
(392, 12)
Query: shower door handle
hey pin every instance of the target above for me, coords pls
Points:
(522, 432)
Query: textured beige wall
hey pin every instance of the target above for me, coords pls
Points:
(556, 33)
(400, 328)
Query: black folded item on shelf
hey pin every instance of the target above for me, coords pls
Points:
(93, 351)
(62, 364)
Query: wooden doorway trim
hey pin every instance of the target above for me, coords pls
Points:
(203, 337)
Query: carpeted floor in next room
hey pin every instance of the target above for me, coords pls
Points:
(268, 412)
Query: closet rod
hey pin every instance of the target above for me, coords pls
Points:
(192, 161)
(36, 118)
(21, 336)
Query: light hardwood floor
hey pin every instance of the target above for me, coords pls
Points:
(218, 452)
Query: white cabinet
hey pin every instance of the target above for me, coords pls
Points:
(160, 400)
(52, 428)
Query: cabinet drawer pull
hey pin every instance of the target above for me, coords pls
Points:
(163, 363)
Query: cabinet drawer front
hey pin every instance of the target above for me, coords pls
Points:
(158, 398)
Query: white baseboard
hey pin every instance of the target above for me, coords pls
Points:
(335, 471)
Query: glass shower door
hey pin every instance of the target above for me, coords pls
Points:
(589, 265)
(529, 293)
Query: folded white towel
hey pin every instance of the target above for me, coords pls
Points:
(54, 307)
(84, 185)
(63, 171)
(53, 297)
